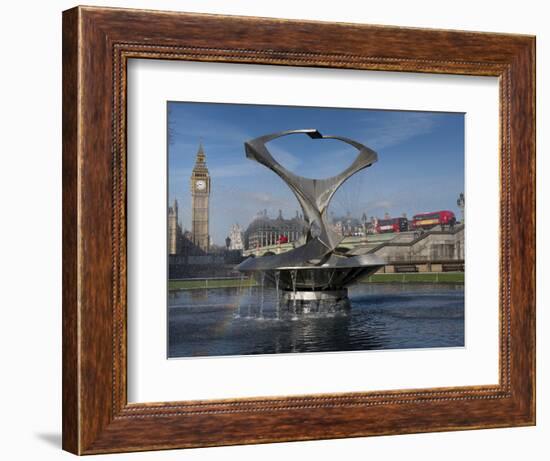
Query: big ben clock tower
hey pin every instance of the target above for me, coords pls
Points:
(200, 192)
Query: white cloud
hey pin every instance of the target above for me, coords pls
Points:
(397, 128)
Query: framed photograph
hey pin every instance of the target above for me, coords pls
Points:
(281, 230)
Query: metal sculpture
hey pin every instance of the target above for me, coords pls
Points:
(318, 271)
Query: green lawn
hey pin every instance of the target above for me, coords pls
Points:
(431, 277)
(210, 283)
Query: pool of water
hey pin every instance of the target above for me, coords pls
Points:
(233, 321)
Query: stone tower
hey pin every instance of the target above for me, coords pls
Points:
(236, 238)
(200, 193)
(173, 228)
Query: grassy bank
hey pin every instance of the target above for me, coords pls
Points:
(408, 277)
(195, 284)
(414, 277)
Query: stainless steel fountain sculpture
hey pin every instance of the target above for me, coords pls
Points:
(314, 276)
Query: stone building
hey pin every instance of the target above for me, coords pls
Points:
(348, 225)
(200, 199)
(174, 230)
(264, 231)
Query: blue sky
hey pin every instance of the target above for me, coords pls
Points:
(420, 159)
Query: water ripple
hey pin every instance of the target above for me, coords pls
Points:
(383, 316)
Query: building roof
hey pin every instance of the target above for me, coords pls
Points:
(262, 221)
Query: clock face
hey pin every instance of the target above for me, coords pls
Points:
(200, 184)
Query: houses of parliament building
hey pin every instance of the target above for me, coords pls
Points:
(262, 231)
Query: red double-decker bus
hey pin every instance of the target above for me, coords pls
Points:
(426, 221)
(392, 225)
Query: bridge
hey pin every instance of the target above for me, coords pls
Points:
(371, 241)
(437, 250)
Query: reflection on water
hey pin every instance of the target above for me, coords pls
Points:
(232, 321)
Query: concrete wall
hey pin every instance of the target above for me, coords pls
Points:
(430, 247)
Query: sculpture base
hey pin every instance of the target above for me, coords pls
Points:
(316, 302)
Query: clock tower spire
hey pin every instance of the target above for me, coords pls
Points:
(200, 193)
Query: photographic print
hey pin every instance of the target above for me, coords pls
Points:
(313, 229)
